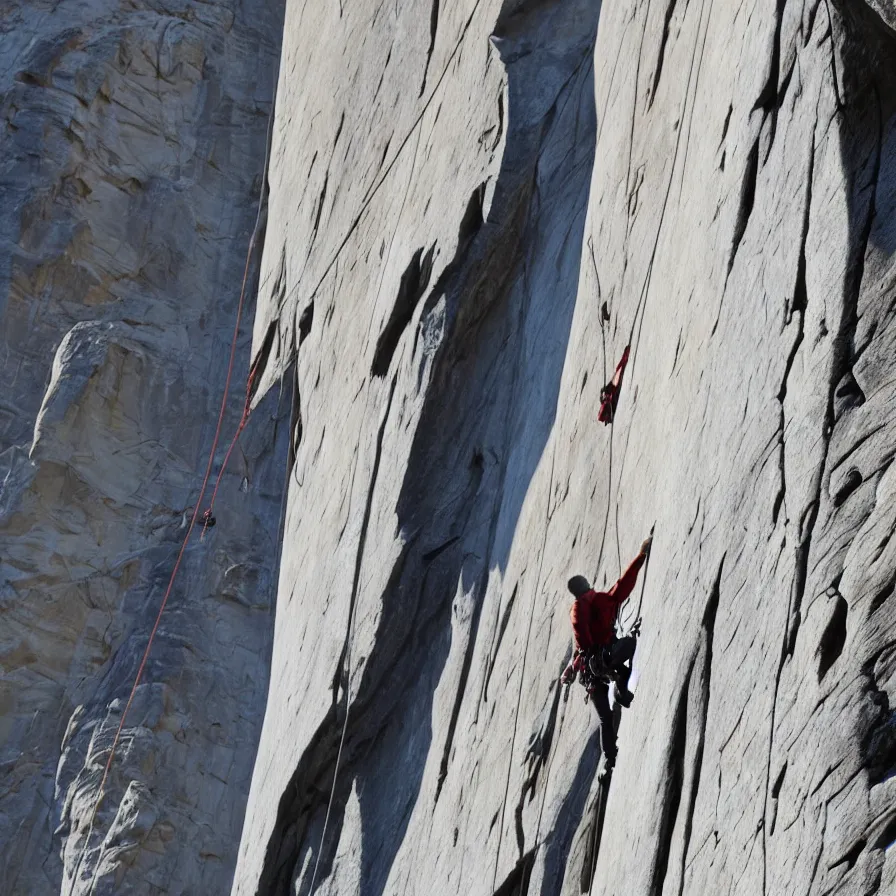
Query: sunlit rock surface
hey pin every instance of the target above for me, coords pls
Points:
(455, 193)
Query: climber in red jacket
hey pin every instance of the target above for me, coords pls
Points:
(600, 656)
(609, 395)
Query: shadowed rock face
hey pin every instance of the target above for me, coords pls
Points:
(435, 266)
(132, 144)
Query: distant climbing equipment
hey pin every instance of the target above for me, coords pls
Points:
(609, 395)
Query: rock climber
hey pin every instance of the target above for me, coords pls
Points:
(600, 656)
(609, 395)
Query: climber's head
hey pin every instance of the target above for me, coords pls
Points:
(578, 585)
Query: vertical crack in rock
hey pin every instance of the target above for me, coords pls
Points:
(433, 28)
(413, 285)
(537, 752)
(594, 839)
(708, 625)
(798, 306)
(772, 94)
(376, 94)
(667, 19)
(631, 133)
(342, 666)
(776, 792)
(493, 656)
(745, 204)
(263, 355)
(319, 210)
(295, 424)
(670, 798)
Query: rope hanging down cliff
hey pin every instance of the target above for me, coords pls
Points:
(207, 517)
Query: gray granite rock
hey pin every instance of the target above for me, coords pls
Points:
(447, 217)
(456, 192)
(131, 160)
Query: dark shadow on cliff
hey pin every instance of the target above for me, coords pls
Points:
(867, 126)
(499, 324)
(490, 406)
(865, 72)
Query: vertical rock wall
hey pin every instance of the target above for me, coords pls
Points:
(132, 149)
(436, 266)
(757, 190)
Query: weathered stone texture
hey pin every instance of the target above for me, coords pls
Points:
(430, 267)
(132, 149)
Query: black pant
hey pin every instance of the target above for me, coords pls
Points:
(621, 651)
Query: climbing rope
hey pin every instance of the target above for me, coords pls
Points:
(353, 612)
(348, 703)
(247, 410)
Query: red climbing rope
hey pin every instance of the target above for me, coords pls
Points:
(183, 547)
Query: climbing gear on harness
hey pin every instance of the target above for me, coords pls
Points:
(592, 667)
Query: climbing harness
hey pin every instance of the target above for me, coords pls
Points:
(595, 666)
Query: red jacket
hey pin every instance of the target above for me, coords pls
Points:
(594, 613)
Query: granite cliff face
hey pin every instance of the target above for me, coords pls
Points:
(456, 192)
(447, 217)
(131, 160)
